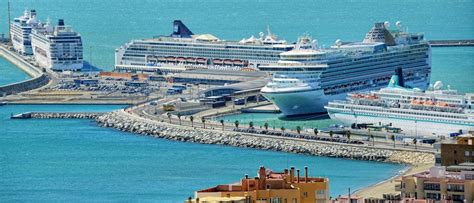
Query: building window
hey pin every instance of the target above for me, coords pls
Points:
(456, 187)
(435, 196)
(431, 186)
(466, 153)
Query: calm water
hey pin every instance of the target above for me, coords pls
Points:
(76, 160)
(10, 74)
(43, 160)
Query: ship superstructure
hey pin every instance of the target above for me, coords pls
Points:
(304, 80)
(183, 50)
(57, 47)
(21, 28)
(434, 112)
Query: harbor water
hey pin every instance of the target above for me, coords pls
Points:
(10, 74)
(54, 159)
(44, 160)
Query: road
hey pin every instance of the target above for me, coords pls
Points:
(157, 113)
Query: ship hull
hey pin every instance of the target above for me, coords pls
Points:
(410, 126)
(298, 103)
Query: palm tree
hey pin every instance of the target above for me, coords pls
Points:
(282, 130)
(373, 139)
(169, 116)
(315, 132)
(414, 142)
(331, 134)
(203, 120)
(179, 117)
(251, 124)
(298, 129)
(265, 125)
(392, 137)
(191, 118)
(222, 123)
(348, 135)
(236, 123)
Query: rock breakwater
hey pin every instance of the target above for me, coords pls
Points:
(65, 115)
(124, 121)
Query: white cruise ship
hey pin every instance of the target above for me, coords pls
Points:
(434, 112)
(20, 29)
(184, 50)
(57, 47)
(304, 80)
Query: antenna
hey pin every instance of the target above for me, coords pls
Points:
(9, 24)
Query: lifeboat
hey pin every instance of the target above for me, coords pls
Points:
(238, 62)
(415, 102)
(161, 59)
(171, 58)
(429, 103)
(228, 62)
(191, 60)
(181, 59)
(217, 61)
(201, 60)
(442, 104)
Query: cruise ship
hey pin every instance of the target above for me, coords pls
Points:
(20, 29)
(57, 47)
(434, 112)
(305, 79)
(184, 50)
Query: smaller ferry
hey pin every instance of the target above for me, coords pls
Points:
(434, 112)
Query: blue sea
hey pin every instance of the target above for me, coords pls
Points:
(75, 160)
(44, 160)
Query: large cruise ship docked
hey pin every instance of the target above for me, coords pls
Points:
(20, 29)
(436, 111)
(183, 50)
(57, 47)
(304, 80)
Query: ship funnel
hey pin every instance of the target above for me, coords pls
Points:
(61, 22)
(393, 81)
(180, 30)
(399, 73)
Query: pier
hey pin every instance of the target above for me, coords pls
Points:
(452, 43)
(39, 78)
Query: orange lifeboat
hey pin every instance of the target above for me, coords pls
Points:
(416, 102)
(429, 103)
(442, 104)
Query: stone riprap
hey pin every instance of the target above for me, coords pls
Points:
(65, 115)
(128, 122)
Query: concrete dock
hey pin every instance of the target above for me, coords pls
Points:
(451, 43)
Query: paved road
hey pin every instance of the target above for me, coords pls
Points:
(157, 113)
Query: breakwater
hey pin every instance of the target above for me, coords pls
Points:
(39, 78)
(125, 121)
(61, 115)
(23, 86)
(451, 43)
